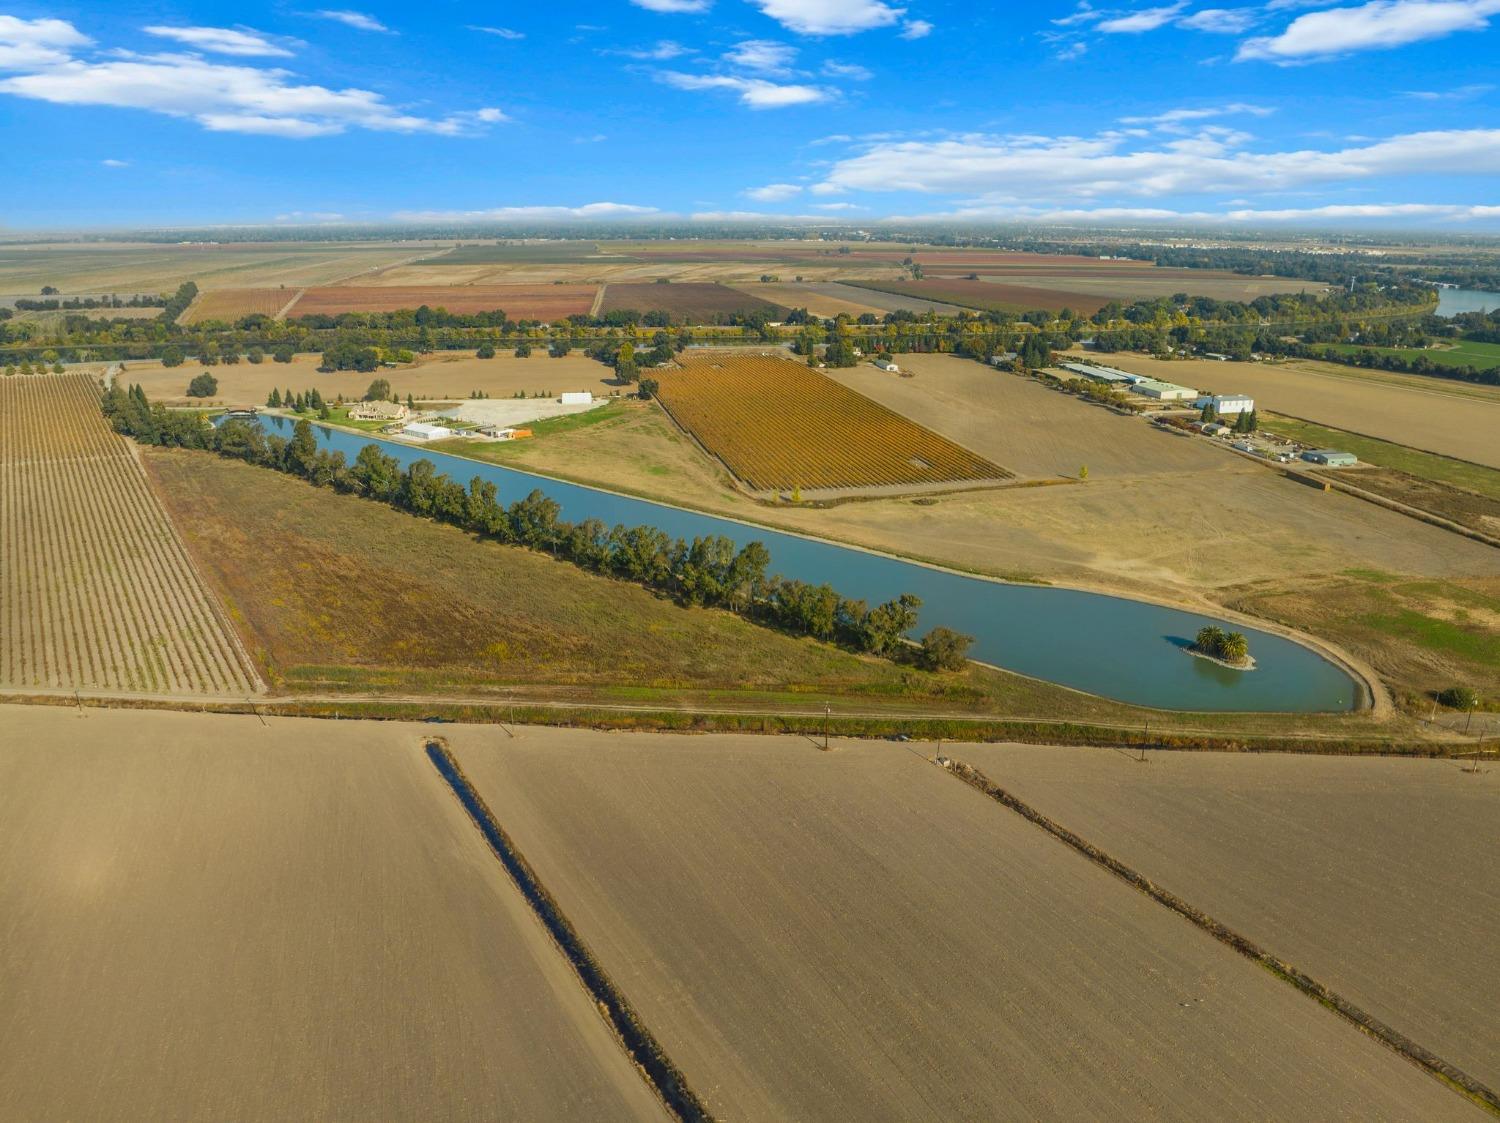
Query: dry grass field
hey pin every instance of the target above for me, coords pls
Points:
(231, 304)
(996, 296)
(1425, 413)
(779, 425)
(207, 917)
(813, 297)
(519, 302)
(143, 267)
(444, 375)
(1375, 876)
(96, 590)
(857, 935)
(686, 303)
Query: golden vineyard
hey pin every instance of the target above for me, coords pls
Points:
(779, 425)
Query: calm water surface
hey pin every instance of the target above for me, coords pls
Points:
(1453, 301)
(1117, 648)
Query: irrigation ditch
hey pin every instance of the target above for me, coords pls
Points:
(1367, 1023)
(665, 1078)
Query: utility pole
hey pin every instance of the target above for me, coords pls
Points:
(827, 715)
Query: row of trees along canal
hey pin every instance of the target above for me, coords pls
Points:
(1156, 324)
(706, 572)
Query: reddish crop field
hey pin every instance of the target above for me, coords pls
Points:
(686, 303)
(519, 302)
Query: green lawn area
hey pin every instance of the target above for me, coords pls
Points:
(1461, 353)
(1425, 465)
(550, 427)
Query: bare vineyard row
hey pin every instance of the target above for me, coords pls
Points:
(778, 424)
(96, 589)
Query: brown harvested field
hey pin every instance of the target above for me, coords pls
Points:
(1021, 423)
(811, 297)
(96, 589)
(779, 425)
(212, 918)
(442, 376)
(1425, 413)
(1481, 512)
(231, 304)
(857, 935)
(686, 303)
(877, 300)
(1143, 283)
(519, 302)
(153, 267)
(987, 296)
(1374, 876)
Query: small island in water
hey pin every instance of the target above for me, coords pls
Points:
(1229, 648)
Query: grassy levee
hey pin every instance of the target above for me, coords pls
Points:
(665, 1078)
(1448, 1073)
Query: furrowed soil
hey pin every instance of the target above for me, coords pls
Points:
(789, 923)
(519, 302)
(1374, 876)
(334, 594)
(1434, 414)
(208, 917)
(96, 589)
(232, 304)
(686, 303)
(996, 297)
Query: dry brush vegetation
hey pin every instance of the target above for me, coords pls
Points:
(96, 589)
(779, 425)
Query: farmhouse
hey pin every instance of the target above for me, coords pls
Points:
(377, 411)
(1165, 391)
(1330, 458)
(422, 431)
(577, 398)
(1226, 404)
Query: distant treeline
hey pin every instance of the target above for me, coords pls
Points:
(68, 303)
(707, 572)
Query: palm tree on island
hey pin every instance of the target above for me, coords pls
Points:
(1230, 648)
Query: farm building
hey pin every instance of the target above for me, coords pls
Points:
(887, 365)
(377, 411)
(1104, 374)
(1226, 404)
(1001, 358)
(1213, 429)
(1330, 457)
(1165, 391)
(422, 431)
(577, 398)
(502, 433)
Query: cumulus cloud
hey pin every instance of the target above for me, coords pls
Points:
(358, 20)
(115, 163)
(1341, 213)
(1221, 21)
(1147, 19)
(1377, 25)
(916, 29)
(222, 97)
(25, 44)
(673, 6)
(588, 210)
(221, 40)
(1013, 170)
(830, 17)
(1175, 119)
(774, 192)
(500, 32)
(764, 55)
(663, 50)
(848, 70)
(756, 93)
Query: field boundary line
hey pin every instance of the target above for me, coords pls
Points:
(645, 1051)
(598, 301)
(287, 307)
(1367, 1023)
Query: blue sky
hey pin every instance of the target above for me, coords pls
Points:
(192, 111)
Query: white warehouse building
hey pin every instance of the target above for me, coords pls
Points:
(1226, 405)
(422, 431)
(1165, 391)
(577, 398)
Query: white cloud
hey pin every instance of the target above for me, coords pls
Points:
(1173, 119)
(1378, 25)
(916, 29)
(310, 216)
(226, 97)
(756, 93)
(358, 20)
(115, 163)
(25, 44)
(673, 6)
(839, 207)
(588, 210)
(774, 192)
(1012, 170)
(664, 49)
(764, 55)
(1147, 19)
(850, 70)
(1460, 93)
(1221, 21)
(829, 17)
(221, 40)
(501, 32)
(1339, 213)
